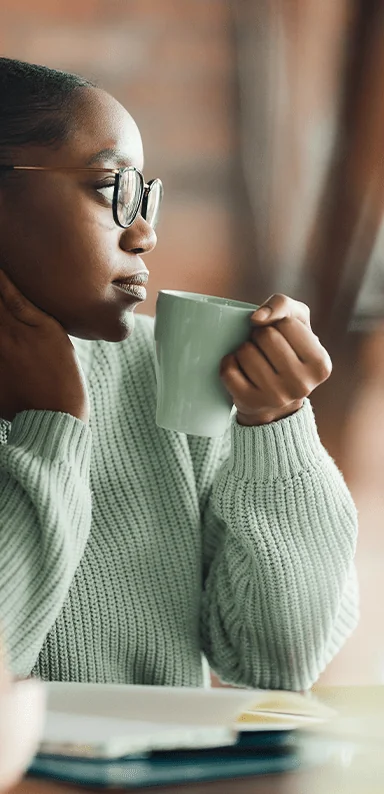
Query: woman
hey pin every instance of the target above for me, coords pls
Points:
(130, 553)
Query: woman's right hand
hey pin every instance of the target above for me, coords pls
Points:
(39, 368)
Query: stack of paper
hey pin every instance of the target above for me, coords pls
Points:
(111, 720)
(280, 710)
(144, 735)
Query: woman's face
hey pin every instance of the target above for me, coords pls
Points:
(58, 240)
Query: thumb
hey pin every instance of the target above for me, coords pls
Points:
(15, 303)
(281, 307)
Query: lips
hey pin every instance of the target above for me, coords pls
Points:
(135, 290)
(134, 278)
(133, 285)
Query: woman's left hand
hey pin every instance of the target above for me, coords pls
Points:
(282, 362)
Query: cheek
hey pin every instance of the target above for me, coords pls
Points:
(58, 253)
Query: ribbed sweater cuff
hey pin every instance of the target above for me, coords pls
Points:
(54, 436)
(279, 450)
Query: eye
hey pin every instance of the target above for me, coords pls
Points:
(106, 191)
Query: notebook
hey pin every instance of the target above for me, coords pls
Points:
(171, 768)
(112, 720)
(107, 721)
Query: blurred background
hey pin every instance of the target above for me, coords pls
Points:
(265, 121)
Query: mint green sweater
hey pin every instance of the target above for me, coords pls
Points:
(129, 553)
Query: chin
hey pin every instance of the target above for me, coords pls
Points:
(112, 330)
(124, 328)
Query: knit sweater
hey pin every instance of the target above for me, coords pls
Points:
(134, 554)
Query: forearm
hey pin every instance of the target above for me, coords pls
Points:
(280, 594)
(45, 517)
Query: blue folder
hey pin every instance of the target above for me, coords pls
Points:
(253, 754)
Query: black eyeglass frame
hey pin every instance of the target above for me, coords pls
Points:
(118, 172)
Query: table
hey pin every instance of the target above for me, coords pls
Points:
(354, 745)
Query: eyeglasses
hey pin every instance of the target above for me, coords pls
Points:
(130, 192)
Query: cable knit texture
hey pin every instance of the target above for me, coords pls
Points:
(129, 553)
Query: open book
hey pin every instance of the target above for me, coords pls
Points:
(105, 721)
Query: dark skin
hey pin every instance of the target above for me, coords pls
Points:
(60, 251)
(58, 240)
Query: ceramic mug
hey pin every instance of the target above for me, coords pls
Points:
(193, 333)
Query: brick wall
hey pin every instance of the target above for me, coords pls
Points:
(172, 64)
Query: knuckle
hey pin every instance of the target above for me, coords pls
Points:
(224, 366)
(284, 322)
(267, 331)
(322, 366)
(305, 391)
(325, 370)
(247, 347)
(256, 333)
(16, 304)
(263, 333)
(305, 309)
(227, 366)
(279, 300)
(242, 353)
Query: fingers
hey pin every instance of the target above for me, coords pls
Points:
(14, 303)
(306, 346)
(254, 366)
(278, 307)
(270, 374)
(278, 364)
(276, 387)
(293, 351)
(235, 380)
(277, 349)
(254, 385)
(296, 335)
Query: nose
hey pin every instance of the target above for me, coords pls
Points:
(139, 238)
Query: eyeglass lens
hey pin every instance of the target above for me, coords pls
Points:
(129, 197)
(153, 203)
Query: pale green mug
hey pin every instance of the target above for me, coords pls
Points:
(193, 333)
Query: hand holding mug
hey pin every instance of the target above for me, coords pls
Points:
(270, 374)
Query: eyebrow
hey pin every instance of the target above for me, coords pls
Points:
(115, 156)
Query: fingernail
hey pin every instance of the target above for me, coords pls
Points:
(262, 313)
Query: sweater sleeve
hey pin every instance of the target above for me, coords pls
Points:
(280, 593)
(45, 519)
